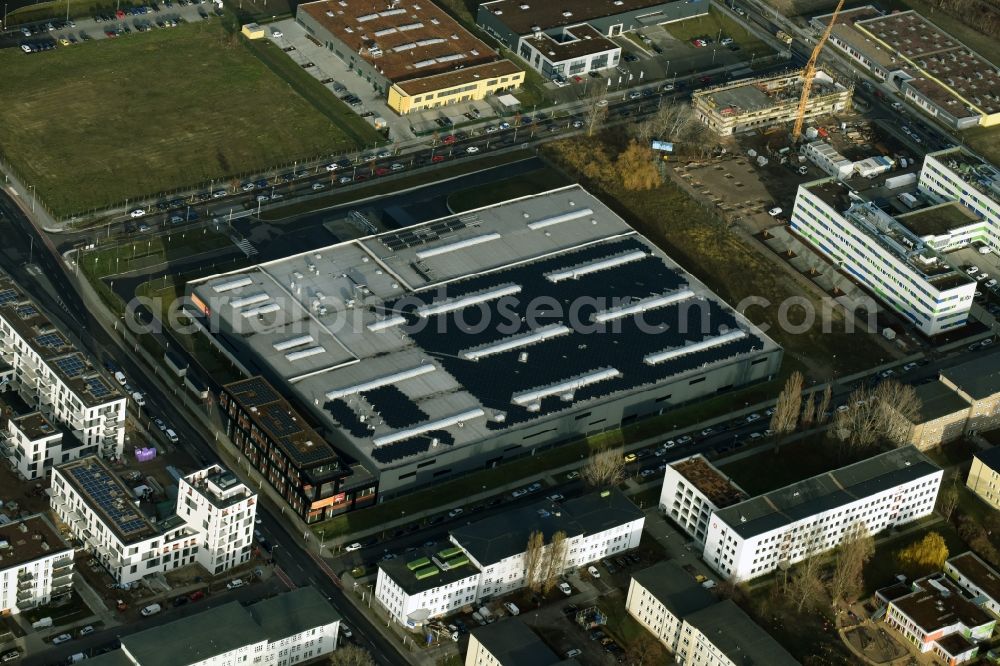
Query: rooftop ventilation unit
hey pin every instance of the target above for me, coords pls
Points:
(231, 284)
(559, 219)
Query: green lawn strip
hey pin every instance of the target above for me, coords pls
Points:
(125, 257)
(193, 106)
(985, 141)
(532, 94)
(424, 177)
(532, 182)
(710, 25)
(360, 132)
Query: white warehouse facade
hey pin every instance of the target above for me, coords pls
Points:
(487, 559)
(755, 537)
(213, 530)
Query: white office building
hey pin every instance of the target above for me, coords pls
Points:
(957, 175)
(291, 628)
(36, 565)
(212, 525)
(782, 527)
(884, 255)
(661, 596)
(693, 489)
(723, 635)
(487, 559)
(56, 379)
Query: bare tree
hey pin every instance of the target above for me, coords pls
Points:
(856, 548)
(808, 411)
(803, 585)
(822, 411)
(597, 108)
(786, 409)
(534, 566)
(351, 655)
(947, 500)
(605, 467)
(886, 412)
(555, 561)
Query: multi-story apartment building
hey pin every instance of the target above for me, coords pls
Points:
(510, 643)
(755, 537)
(935, 616)
(882, 254)
(291, 628)
(101, 511)
(723, 635)
(56, 379)
(36, 564)
(978, 383)
(488, 559)
(32, 443)
(955, 175)
(225, 509)
(661, 596)
(315, 481)
(747, 105)
(984, 476)
(979, 579)
(693, 489)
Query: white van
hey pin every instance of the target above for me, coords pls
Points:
(151, 609)
(171, 435)
(120, 376)
(512, 609)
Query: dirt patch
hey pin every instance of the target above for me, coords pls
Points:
(874, 644)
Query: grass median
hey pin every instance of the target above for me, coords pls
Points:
(102, 122)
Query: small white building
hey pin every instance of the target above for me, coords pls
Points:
(693, 489)
(290, 628)
(36, 564)
(782, 527)
(977, 578)
(661, 596)
(53, 377)
(723, 635)
(225, 509)
(487, 559)
(826, 157)
(102, 512)
(574, 51)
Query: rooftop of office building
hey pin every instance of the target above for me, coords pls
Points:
(716, 486)
(429, 337)
(527, 16)
(428, 568)
(29, 539)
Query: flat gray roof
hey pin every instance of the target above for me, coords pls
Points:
(937, 400)
(737, 636)
(675, 588)
(826, 491)
(979, 378)
(513, 643)
(379, 336)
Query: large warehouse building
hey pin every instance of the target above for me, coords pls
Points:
(413, 52)
(566, 40)
(466, 341)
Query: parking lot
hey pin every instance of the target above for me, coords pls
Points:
(110, 24)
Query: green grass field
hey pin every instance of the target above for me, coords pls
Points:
(713, 24)
(97, 123)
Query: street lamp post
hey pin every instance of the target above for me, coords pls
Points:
(32, 198)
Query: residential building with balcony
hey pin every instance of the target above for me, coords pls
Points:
(36, 564)
(52, 376)
(100, 510)
(756, 537)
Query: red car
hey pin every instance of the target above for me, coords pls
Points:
(120, 14)
(197, 595)
(437, 158)
(381, 171)
(449, 139)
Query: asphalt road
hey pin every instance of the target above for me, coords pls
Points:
(58, 296)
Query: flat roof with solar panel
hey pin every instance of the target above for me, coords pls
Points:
(109, 498)
(398, 364)
(54, 347)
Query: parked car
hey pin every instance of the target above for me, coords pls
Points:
(61, 638)
(345, 631)
(455, 512)
(151, 609)
(10, 655)
(139, 399)
(172, 436)
(594, 573)
(197, 595)
(565, 589)
(511, 608)
(235, 583)
(352, 547)
(774, 212)
(86, 631)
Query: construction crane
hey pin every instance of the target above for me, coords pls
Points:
(809, 73)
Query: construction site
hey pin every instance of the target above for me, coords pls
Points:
(748, 105)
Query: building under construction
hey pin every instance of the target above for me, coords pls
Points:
(753, 104)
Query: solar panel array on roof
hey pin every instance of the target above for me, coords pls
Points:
(51, 340)
(104, 491)
(424, 234)
(71, 366)
(346, 418)
(8, 296)
(255, 392)
(411, 447)
(395, 407)
(26, 311)
(98, 387)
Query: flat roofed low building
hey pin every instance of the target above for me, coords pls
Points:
(575, 51)
(747, 105)
(842, 221)
(984, 476)
(755, 537)
(976, 577)
(368, 335)
(977, 382)
(510, 642)
(408, 41)
(289, 628)
(315, 481)
(943, 416)
(693, 489)
(426, 584)
(937, 617)
(661, 596)
(36, 564)
(723, 635)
